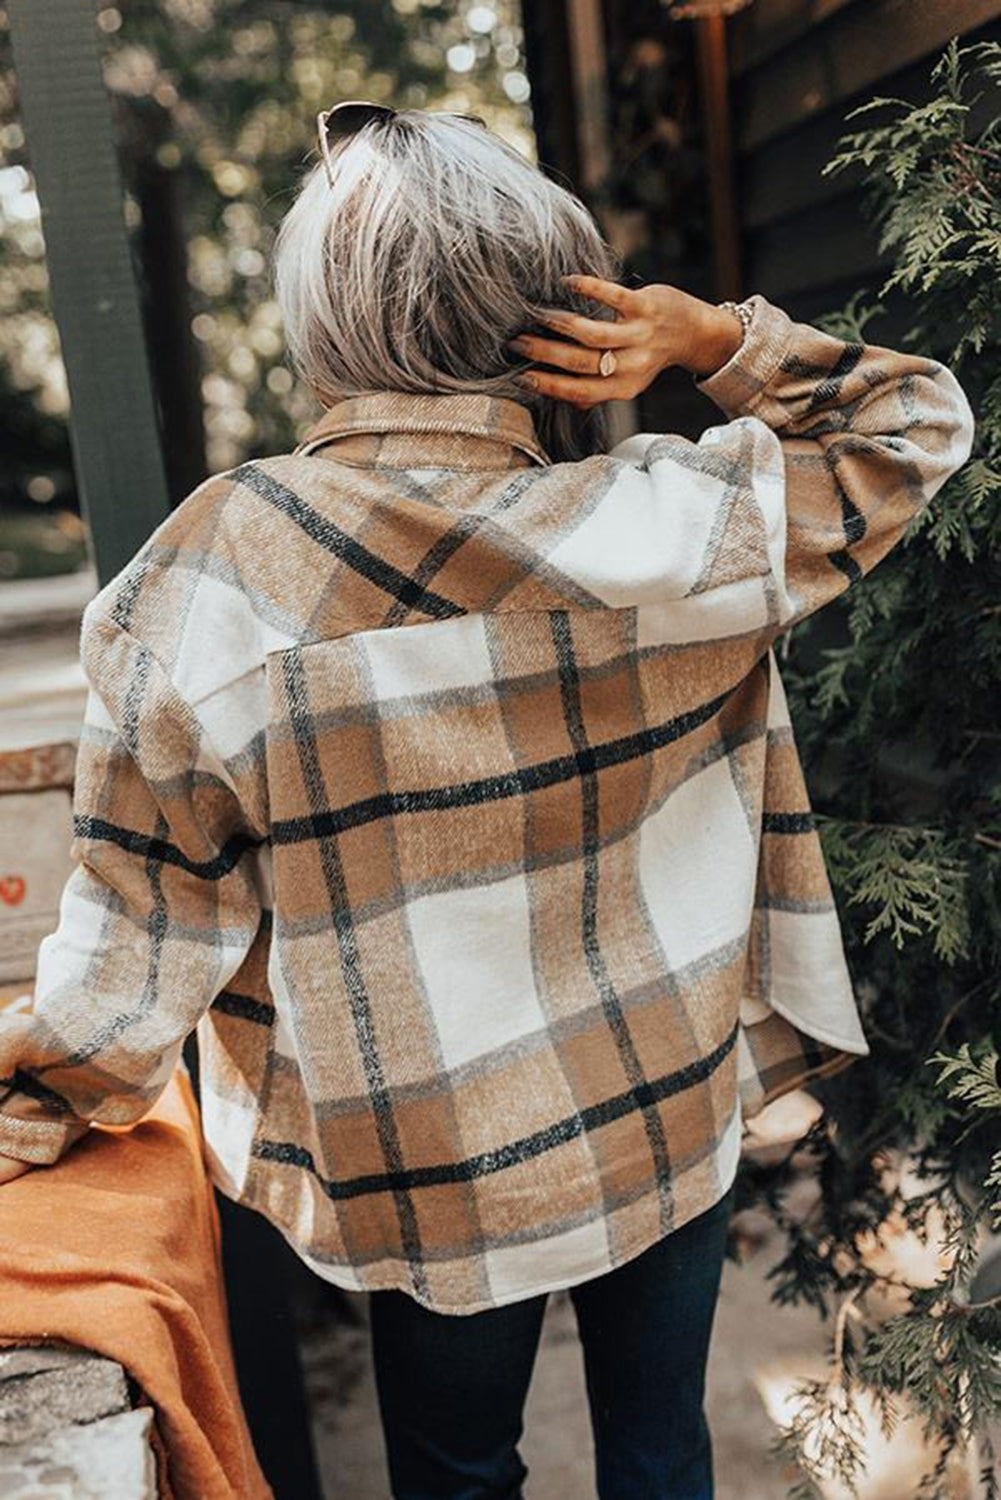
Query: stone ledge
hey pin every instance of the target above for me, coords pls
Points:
(41, 1389)
(67, 1431)
(98, 1461)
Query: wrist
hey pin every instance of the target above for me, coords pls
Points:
(719, 334)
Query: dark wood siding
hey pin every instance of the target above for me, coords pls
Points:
(797, 69)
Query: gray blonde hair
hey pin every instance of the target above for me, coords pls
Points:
(436, 243)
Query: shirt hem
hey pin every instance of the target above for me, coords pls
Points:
(858, 1047)
(347, 1281)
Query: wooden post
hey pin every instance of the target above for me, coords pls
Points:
(589, 69)
(547, 59)
(175, 363)
(589, 74)
(67, 118)
(711, 43)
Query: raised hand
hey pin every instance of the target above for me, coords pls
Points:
(654, 326)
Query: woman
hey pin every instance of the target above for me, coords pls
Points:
(440, 773)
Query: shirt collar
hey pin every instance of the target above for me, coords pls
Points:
(449, 429)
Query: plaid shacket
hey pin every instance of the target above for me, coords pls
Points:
(452, 794)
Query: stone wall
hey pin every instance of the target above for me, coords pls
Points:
(68, 1430)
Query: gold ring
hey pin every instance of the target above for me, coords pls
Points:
(606, 364)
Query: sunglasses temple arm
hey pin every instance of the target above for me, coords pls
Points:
(321, 135)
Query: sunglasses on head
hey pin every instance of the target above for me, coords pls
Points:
(352, 115)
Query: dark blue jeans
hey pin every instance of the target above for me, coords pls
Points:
(452, 1388)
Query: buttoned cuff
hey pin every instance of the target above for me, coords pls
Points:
(740, 384)
(40, 1142)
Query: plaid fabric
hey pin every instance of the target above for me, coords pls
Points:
(452, 794)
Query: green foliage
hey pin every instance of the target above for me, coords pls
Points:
(215, 103)
(827, 1425)
(913, 879)
(936, 192)
(977, 1082)
(895, 694)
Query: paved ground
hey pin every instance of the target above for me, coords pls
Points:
(750, 1333)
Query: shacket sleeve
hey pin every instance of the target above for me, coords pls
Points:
(158, 913)
(866, 437)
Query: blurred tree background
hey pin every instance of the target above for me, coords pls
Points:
(215, 104)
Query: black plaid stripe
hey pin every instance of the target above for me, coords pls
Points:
(361, 1007)
(244, 1007)
(160, 851)
(610, 1003)
(27, 1082)
(325, 822)
(643, 1095)
(557, 1031)
(471, 1225)
(403, 590)
(788, 822)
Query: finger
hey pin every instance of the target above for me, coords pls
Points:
(555, 352)
(10, 1169)
(610, 292)
(577, 389)
(596, 333)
